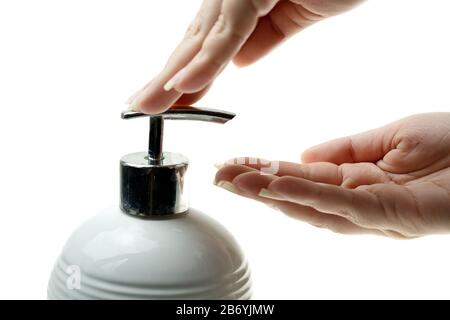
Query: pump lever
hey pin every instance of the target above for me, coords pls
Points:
(156, 128)
(186, 113)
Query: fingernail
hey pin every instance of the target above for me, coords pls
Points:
(219, 165)
(133, 106)
(134, 96)
(130, 99)
(266, 193)
(174, 80)
(227, 186)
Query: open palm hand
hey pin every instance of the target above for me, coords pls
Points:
(394, 180)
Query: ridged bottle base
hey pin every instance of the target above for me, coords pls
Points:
(115, 256)
(233, 286)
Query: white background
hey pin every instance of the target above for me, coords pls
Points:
(67, 66)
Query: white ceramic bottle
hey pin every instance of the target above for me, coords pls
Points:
(153, 246)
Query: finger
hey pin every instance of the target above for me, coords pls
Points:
(248, 182)
(183, 100)
(321, 220)
(154, 98)
(369, 146)
(189, 99)
(358, 206)
(286, 19)
(228, 173)
(235, 23)
(348, 175)
(320, 171)
(133, 97)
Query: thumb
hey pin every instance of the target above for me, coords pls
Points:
(369, 146)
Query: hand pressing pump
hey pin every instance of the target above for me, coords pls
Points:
(153, 246)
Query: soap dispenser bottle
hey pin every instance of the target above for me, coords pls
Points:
(153, 246)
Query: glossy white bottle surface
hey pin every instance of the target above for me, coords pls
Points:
(118, 256)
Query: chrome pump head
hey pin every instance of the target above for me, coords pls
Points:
(151, 183)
